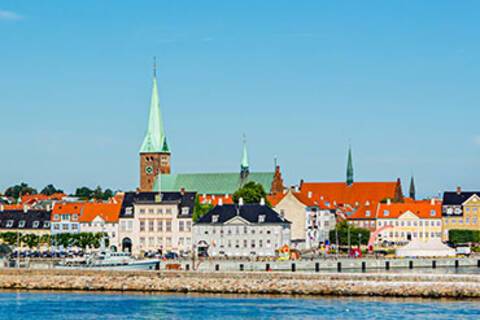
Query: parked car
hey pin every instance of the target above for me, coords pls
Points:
(171, 256)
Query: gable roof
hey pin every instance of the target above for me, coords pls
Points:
(213, 183)
(109, 212)
(421, 209)
(248, 212)
(457, 198)
(356, 193)
(306, 199)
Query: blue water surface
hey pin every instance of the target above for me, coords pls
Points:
(26, 305)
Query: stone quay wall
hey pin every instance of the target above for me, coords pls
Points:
(331, 284)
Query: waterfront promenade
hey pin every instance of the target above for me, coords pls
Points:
(322, 284)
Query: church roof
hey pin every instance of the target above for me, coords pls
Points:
(155, 140)
(213, 183)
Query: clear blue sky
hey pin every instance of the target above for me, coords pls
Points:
(399, 79)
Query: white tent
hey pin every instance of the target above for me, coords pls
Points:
(429, 248)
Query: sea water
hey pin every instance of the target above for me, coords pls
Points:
(85, 306)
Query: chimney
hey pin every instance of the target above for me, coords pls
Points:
(389, 201)
(182, 191)
(309, 194)
(2, 207)
(432, 201)
(227, 196)
(240, 202)
(25, 208)
(459, 190)
(262, 201)
(220, 201)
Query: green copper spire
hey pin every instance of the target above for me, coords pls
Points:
(155, 140)
(244, 167)
(350, 167)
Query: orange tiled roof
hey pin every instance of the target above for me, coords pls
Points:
(109, 212)
(28, 198)
(365, 211)
(214, 199)
(422, 209)
(355, 194)
(305, 198)
(16, 206)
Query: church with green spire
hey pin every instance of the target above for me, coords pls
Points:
(154, 151)
(155, 169)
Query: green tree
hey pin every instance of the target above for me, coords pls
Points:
(18, 190)
(31, 240)
(459, 236)
(50, 189)
(343, 229)
(251, 192)
(9, 237)
(84, 193)
(200, 209)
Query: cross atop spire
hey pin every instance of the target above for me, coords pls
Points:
(155, 140)
(244, 167)
(349, 167)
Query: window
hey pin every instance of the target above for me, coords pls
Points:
(142, 241)
(245, 243)
(169, 211)
(46, 224)
(169, 226)
(64, 226)
(386, 213)
(181, 226)
(160, 225)
(260, 243)
(21, 224)
(215, 218)
(367, 213)
(151, 241)
(151, 225)
(252, 243)
(185, 210)
(142, 225)
(56, 217)
(261, 218)
(128, 211)
(189, 226)
(75, 217)
(379, 223)
(169, 241)
(56, 227)
(433, 213)
(160, 211)
(142, 211)
(151, 211)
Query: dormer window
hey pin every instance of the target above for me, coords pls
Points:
(185, 210)
(386, 213)
(46, 224)
(36, 224)
(367, 213)
(9, 223)
(21, 224)
(432, 213)
(261, 218)
(215, 218)
(128, 211)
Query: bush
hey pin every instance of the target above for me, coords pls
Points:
(463, 236)
(343, 229)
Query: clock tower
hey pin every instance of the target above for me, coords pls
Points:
(154, 153)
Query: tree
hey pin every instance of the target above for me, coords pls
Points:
(83, 193)
(342, 228)
(251, 192)
(50, 189)
(19, 190)
(31, 240)
(458, 236)
(200, 209)
(98, 194)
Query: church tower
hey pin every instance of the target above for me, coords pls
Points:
(349, 167)
(154, 153)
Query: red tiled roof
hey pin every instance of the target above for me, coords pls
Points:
(422, 209)
(109, 212)
(360, 213)
(305, 198)
(355, 194)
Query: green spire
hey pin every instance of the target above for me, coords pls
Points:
(244, 167)
(155, 139)
(349, 167)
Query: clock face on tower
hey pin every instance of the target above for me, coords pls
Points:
(148, 170)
